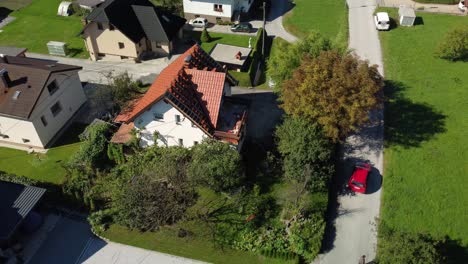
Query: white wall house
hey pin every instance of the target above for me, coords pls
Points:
(215, 9)
(38, 99)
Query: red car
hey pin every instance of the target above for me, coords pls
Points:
(358, 181)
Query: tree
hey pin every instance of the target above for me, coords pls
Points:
(286, 57)
(159, 195)
(401, 248)
(172, 6)
(337, 91)
(216, 165)
(455, 45)
(205, 36)
(122, 89)
(307, 153)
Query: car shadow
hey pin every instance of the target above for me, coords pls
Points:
(374, 181)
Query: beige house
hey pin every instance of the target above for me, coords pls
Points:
(130, 29)
(37, 99)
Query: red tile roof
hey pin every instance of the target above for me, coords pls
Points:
(193, 83)
(123, 135)
(211, 86)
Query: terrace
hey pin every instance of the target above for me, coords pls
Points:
(232, 120)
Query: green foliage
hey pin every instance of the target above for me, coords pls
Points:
(115, 153)
(122, 89)
(216, 165)
(307, 153)
(172, 6)
(403, 248)
(93, 149)
(454, 46)
(205, 36)
(306, 236)
(16, 179)
(100, 220)
(336, 91)
(159, 195)
(286, 57)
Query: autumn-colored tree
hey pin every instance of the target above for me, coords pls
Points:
(335, 90)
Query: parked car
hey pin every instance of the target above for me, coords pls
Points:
(358, 181)
(199, 22)
(382, 21)
(242, 27)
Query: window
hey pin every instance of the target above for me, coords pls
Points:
(193, 124)
(56, 108)
(121, 45)
(25, 140)
(99, 26)
(195, 143)
(177, 119)
(4, 136)
(43, 120)
(52, 87)
(111, 27)
(158, 45)
(218, 8)
(158, 116)
(123, 57)
(181, 142)
(197, 16)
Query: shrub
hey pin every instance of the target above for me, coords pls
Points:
(16, 179)
(306, 235)
(455, 45)
(205, 36)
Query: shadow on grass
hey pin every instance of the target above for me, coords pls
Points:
(4, 12)
(418, 21)
(70, 136)
(73, 52)
(409, 123)
(453, 252)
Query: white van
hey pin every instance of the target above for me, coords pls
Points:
(199, 22)
(382, 21)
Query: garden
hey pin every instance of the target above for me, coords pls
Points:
(425, 156)
(38, 23)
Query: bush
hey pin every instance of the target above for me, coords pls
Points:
(205, 36)
(454, 46)
(402, 248)
(17, 179)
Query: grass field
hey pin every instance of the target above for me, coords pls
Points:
(38, 23)
(446, 2)
(42, 167)
(327, 17)
(426, 163)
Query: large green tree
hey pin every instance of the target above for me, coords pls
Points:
(335, 90)
(455, 45)
(307, 153)
(286, 57)
(216, 165)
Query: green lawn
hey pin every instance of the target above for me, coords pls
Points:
(328, 17)
(446, 2)
(426, 165)
(42, 167)
(38, 23)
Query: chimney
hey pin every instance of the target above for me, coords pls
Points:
(4, 80)
(239, 55)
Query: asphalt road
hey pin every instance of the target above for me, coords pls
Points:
(354, 231)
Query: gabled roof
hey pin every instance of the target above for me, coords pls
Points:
(193, 84)
(137, 19)
(16, 201)
(28, 79)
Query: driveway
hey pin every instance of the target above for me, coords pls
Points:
(93, 71)
(69, 240)
(354, 231)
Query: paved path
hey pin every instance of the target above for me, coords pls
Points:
(93, 71)
(355, 226)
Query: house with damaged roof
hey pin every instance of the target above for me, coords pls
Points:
(37, 99)
(130, 29)
(188, 102)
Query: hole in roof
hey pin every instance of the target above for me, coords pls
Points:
(188, 58)
(16, 95)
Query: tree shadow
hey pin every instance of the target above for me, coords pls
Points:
(72, 52)
(408, 123)
(4, 12)
(453, 252)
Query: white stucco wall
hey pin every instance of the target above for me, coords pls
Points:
(206, 7)
(170, 132)
(70, 95)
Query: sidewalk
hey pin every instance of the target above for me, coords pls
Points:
(423, 7)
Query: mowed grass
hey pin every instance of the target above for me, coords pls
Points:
(43, 167)
(228, 39)
(330, 18)
(426, 162)
(38, 23)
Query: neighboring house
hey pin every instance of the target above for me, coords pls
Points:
(214, 10)
(123, 29)
(17, 203)
(37, 98)
(188, 102)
